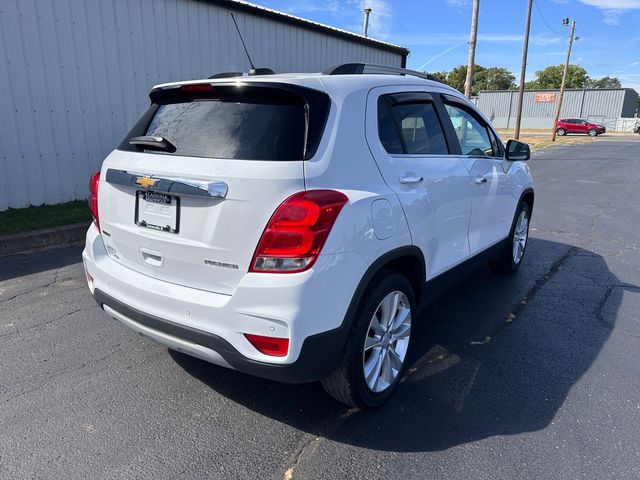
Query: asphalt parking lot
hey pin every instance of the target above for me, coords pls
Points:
(535, 376)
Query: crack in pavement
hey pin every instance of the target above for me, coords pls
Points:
(605, 299)
(310, 442)
(529, 296)
(597, 216)
(48, 380)
(46, 285)
(47, 322)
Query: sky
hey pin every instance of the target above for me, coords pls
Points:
(437, 32)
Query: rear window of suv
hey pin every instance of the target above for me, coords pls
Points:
(249, 123)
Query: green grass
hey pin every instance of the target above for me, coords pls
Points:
(17, 220)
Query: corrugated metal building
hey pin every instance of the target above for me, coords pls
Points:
(75, 74)
(604, 106)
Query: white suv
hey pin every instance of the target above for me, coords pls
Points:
(287, 226)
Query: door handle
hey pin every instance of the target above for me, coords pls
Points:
(409, 179)
(480, 180)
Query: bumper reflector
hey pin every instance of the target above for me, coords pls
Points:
(275, 347)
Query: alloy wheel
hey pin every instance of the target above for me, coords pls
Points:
(387, 341)
(520, 235)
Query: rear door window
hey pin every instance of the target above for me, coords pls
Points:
(410, 127)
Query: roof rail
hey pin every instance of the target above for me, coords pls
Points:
(370, 68)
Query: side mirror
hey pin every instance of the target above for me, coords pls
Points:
(517, 151)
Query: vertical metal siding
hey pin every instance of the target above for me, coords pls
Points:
(630, 103)
(75, 75)
(601, 105)
(496, 107)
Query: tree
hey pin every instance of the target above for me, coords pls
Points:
(458, 75)
(604, 82)
(442, 76)
(494, 78)
(551, 78)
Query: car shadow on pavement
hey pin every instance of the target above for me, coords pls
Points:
(14, 266)
(496, 355)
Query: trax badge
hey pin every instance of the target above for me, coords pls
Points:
(146, 182)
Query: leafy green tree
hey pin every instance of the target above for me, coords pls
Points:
(442, 76)
(492, 78)
(604, 82)
(551, 77)
(458, 75)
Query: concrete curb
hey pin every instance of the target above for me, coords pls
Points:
(42, 239)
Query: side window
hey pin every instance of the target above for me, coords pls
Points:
(387, 130)
(472, 134)
(411, 128)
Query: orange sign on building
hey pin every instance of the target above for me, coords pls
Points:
(545, 97)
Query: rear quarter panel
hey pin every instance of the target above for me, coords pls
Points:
(343, 162)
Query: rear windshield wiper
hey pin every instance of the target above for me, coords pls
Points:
(153, 143)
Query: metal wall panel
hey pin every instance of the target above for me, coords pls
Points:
(603, 106)
(75, 76)
(630, 103)
(497, 107)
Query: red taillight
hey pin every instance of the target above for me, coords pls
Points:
(296, 232)
(94, 184)
(275, 347)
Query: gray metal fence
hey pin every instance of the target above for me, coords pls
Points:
(612, 107)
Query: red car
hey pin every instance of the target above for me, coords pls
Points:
(577, 125)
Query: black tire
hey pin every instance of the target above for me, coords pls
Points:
(561, 132)
(593, 132)
(347, 382)
(506, 263)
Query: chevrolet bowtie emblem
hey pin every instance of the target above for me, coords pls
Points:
(146, 182)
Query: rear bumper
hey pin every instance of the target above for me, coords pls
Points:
(309, 308)
(318, 356)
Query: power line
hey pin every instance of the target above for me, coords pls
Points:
(592, 24)
(628, 25)
(544, 19)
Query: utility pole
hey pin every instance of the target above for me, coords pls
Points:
(365, 26)
(564, 78)
(523, 71)
(472, 48)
